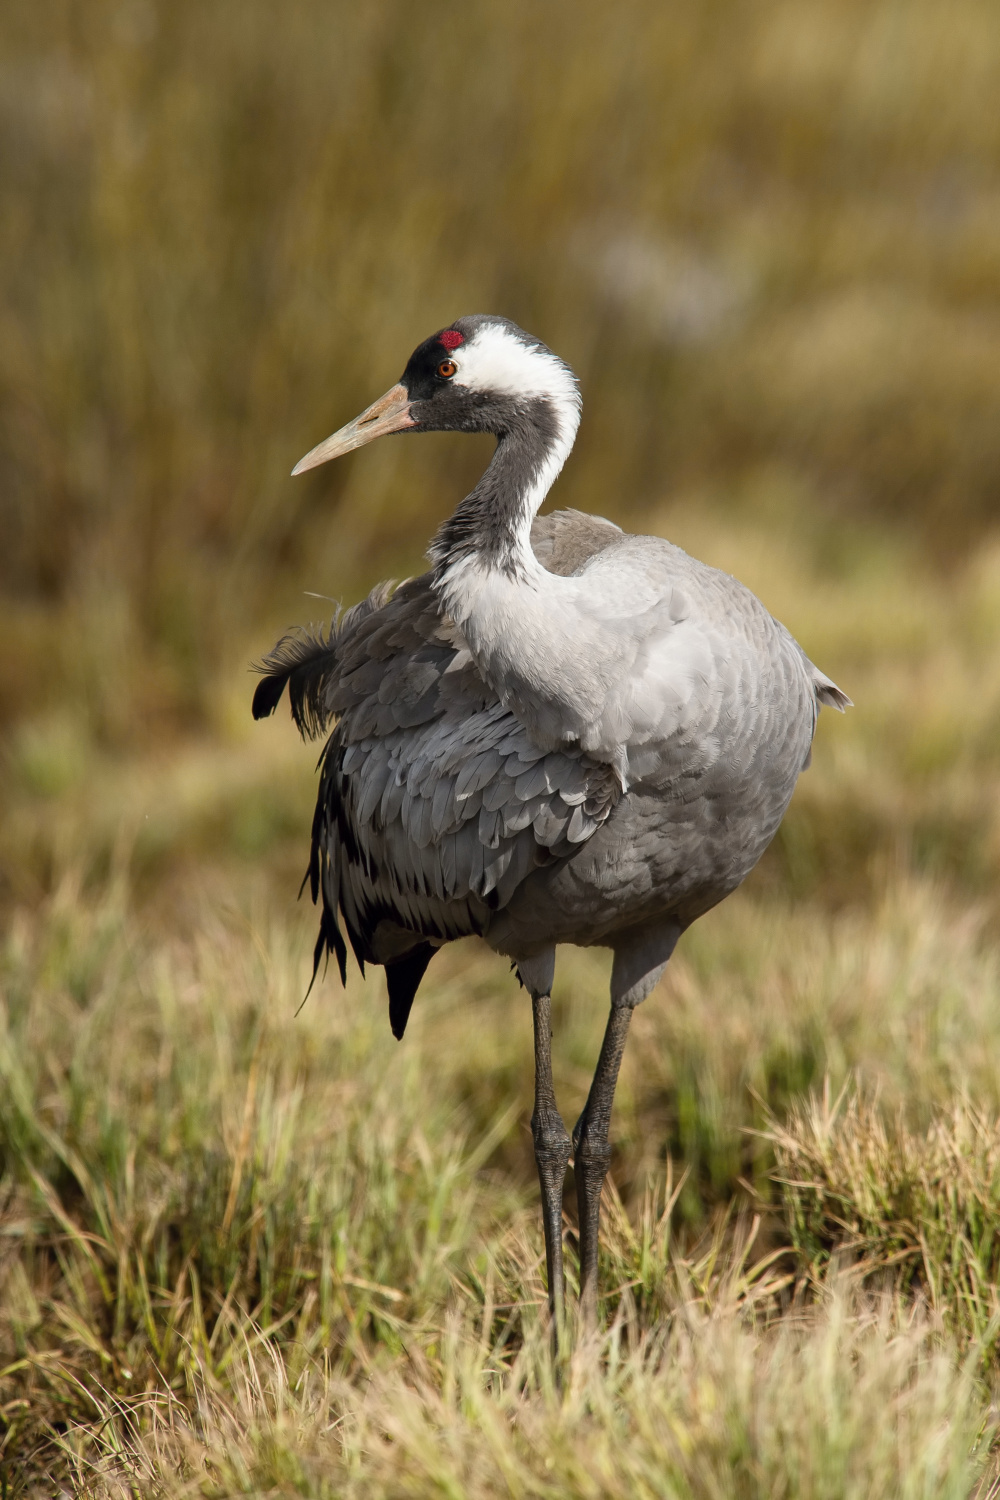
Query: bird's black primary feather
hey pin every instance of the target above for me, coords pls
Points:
(267, 695)
(306, 659)
(303, 660)
(403, 978)
(329, 941)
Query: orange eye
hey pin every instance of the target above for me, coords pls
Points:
(447, 368)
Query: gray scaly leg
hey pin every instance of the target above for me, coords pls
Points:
(552, 1152)
(592, 1154)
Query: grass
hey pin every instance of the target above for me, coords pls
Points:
(712, 1406)
(924, 1205)
(244, 1252)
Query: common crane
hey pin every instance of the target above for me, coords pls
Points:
(561, 733)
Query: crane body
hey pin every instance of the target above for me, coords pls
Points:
(562, 733)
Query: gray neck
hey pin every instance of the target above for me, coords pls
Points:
(491, 526)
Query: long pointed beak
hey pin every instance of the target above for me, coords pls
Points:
(390, 413)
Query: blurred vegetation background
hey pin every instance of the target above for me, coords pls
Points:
(767, 237)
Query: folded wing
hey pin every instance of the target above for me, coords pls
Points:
(434, 805)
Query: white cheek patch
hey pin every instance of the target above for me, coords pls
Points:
(495, 359)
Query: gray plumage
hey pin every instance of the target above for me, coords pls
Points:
(438, 817)
(560, 734)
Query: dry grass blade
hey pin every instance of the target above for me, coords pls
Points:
(919, 1207)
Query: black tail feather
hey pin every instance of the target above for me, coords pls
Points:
(403, 978)
(267, 695)
(303, 660)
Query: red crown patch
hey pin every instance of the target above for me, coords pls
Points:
(451, 338)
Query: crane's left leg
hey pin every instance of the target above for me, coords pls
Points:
(552, 1142)
(640, 958)
(592, 1154)
(552, 1152)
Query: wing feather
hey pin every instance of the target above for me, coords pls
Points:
(434, 804)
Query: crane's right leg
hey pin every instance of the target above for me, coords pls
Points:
(552, 1153)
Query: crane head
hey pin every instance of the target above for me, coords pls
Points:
(480, 374)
